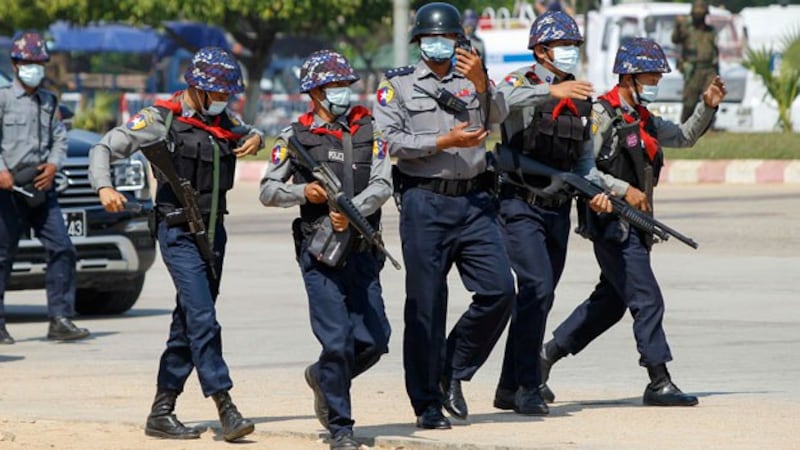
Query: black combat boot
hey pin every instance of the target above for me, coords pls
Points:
(62, 329)
(550, 354)
(162, 423)
(234, 426)
(5, 338)
(662, 391)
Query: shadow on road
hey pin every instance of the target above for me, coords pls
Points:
(33, 314)
(9, 358)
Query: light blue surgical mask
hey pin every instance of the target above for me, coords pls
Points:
(31, 74)
(566, 58)
(337, 100)
(437, 48)
(215, 108)
(648, 94)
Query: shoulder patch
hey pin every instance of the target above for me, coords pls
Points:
(379, 148)
(278, 152)
(514, 79)
(141, 120)
(385, 93)
(397, 71)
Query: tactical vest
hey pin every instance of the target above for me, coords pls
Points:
(558, 142)
(622, 160)
(193, 159)
(329, 149)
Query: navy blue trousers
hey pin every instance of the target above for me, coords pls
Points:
(536, 239)
(195, 336)
(626, 282)
(349, 321)
(48, 225)
(438, 231)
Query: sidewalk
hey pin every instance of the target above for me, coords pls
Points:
(678, 171)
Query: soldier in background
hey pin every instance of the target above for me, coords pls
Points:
(699, 60)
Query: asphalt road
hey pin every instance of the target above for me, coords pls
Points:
(733, 322)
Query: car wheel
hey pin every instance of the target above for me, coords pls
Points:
(93, 302)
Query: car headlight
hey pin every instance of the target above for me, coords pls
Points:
(129, 175)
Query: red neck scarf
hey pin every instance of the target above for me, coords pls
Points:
(650, 142)
(174, 105)
(356, 113)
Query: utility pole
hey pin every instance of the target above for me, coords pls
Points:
(400, 41)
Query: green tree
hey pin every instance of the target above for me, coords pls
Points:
(783, 84)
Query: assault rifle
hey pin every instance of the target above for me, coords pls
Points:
(159, 156)
(337, 199)
(510, 161)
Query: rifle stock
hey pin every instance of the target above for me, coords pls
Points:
(158, 155)
(511, 161)
(337, 199)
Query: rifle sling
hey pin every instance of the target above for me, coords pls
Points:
(348, 185)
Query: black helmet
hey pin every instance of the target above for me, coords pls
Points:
(436, 18)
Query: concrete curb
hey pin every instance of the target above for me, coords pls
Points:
(679, 171)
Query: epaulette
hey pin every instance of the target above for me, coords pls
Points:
(397, 71)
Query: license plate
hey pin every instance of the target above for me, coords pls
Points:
(75, 221)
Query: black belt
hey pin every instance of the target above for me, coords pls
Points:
(528, 196)
(177, 217)
(451, 188)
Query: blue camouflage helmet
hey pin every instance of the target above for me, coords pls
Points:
(640, 55)
(29, 46)
(323, 67)
(554, 26)
(213, 69)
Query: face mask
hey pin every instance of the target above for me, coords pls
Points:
(437, 48)
(648, 94)
(566, 58)
(337, 100)
(699, 19)
(214, 109)
(31, 74)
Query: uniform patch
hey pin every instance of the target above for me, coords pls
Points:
(631, 140)
(379, 148)
(595, 127)
(513, 80)
(333, 155)
(385, 93)
(464, 93)
(137, 122)
(278, 153)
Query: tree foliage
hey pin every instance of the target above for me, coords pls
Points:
(782, 83)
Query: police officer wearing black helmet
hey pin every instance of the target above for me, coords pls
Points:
(434, 116)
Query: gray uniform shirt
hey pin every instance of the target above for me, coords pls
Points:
(144, 128)
(523, 96)
(670, 134)
(411, 121)
(32, 132)
(275, 191)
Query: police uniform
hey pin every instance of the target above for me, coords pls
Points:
(32, 134)
(627, 281)
(195, 340)
(555, 132)
(345, 301)
(699, 61)
(447, 216)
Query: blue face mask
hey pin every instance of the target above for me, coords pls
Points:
(566, 58)
(31, 74)
(437, 48)
(337, 100)
(648, 94)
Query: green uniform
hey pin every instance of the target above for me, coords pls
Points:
(699, 61)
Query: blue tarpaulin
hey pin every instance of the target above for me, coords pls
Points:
(127, 39)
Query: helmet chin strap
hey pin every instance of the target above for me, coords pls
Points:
(636, 91)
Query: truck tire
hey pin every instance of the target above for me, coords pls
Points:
(94, 302)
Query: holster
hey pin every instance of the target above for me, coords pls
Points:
(330, 247)
(594, 226)
(23, 177)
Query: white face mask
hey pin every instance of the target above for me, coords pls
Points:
(648, 94)
(216, 108)
(337, 100)
(31, 74)
(566, 58)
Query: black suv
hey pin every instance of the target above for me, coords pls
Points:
(114, 249)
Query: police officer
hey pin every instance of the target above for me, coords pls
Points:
(699, 60)
(33, 145)
(470, 24)
(435, 117)
(549, 122)
(344, 298)
(628, 141)
(202, 133)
